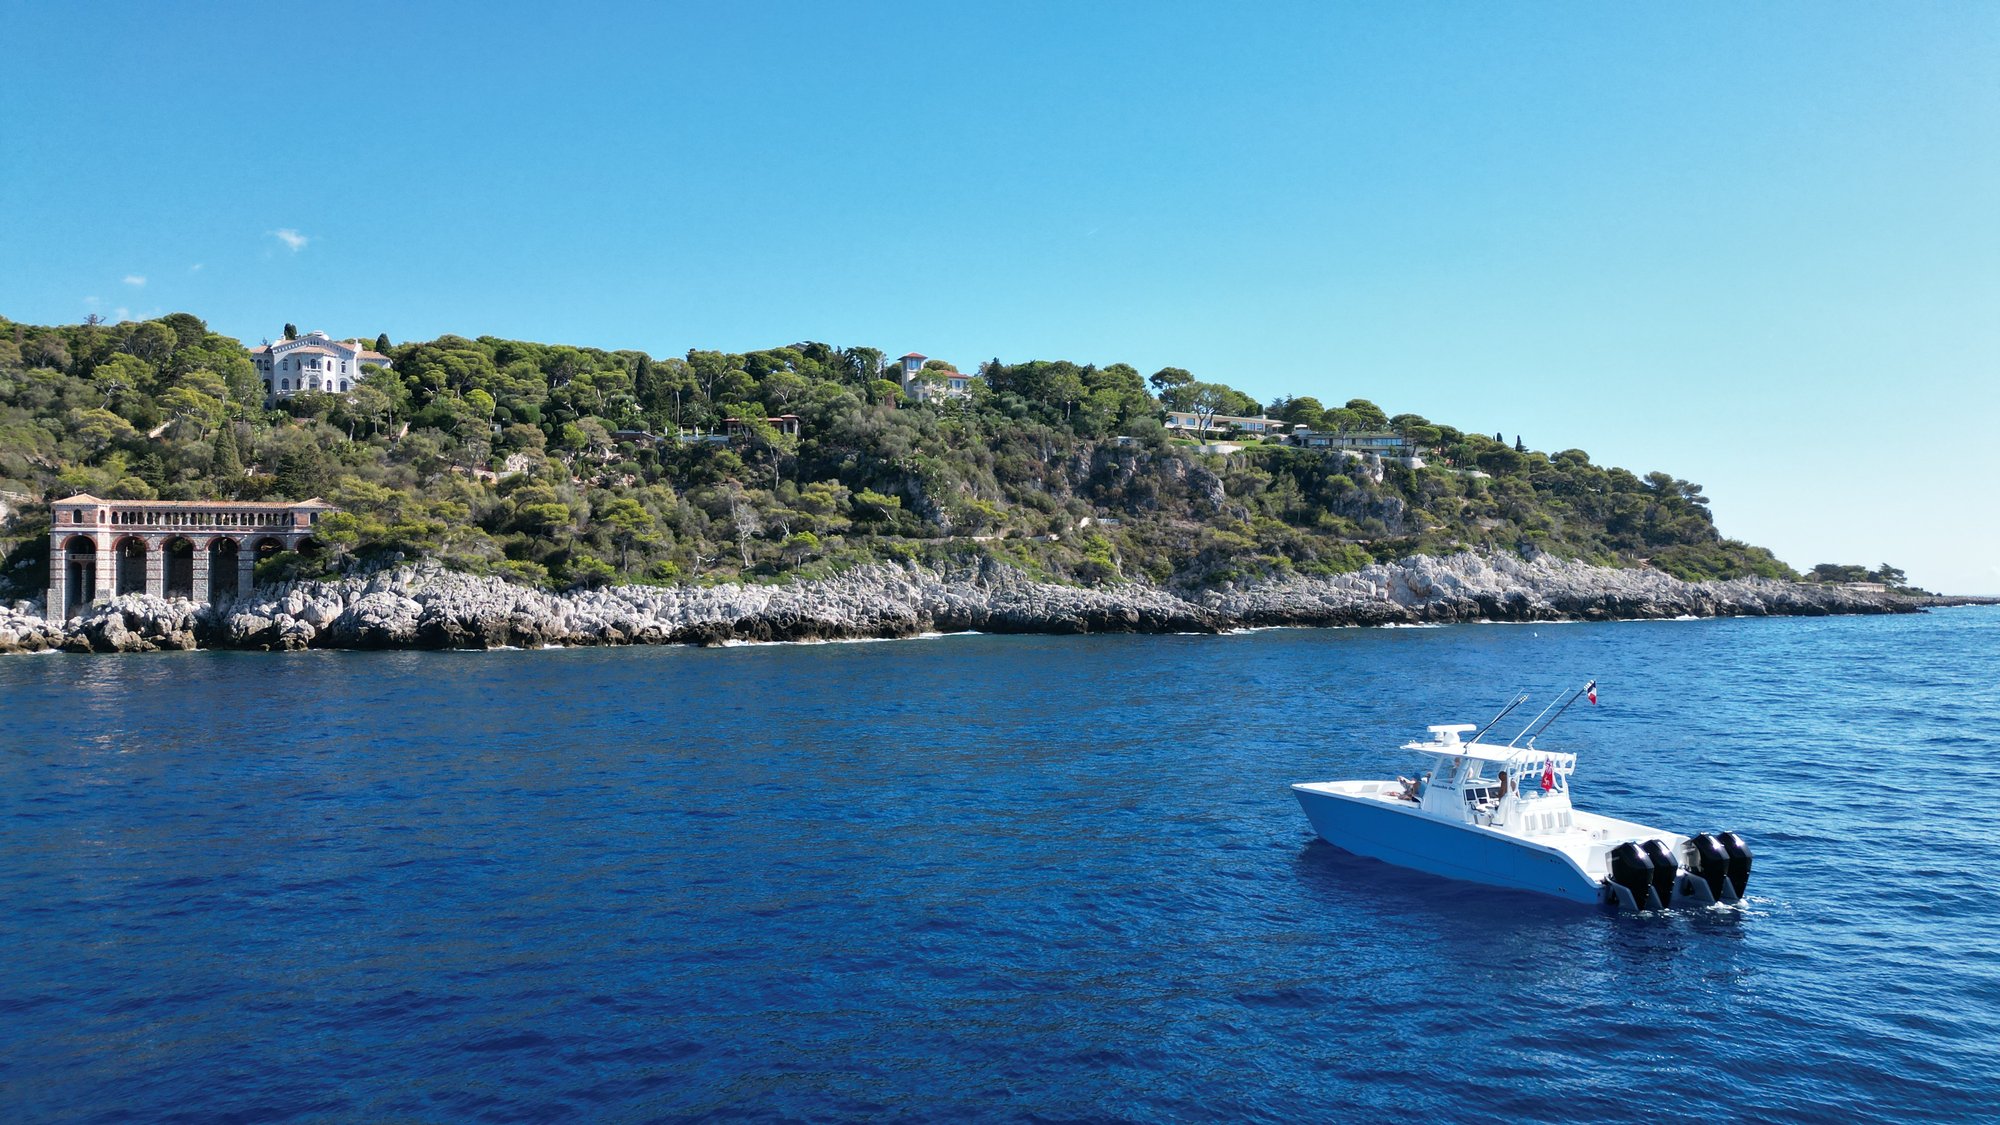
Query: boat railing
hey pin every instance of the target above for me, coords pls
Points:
(1533, 761)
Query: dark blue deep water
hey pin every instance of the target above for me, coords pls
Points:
(984, 877)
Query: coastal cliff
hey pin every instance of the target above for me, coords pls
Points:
(428, 606)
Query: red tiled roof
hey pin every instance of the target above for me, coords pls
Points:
(913, 355)
(218, 505)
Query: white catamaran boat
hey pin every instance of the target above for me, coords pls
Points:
(1501, 815)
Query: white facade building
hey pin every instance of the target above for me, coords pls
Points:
(949, 384)
(313, 362)
(1388, 446)
(1188, 421)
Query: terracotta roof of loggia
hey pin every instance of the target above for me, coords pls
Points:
(913, 355)
(219, 505)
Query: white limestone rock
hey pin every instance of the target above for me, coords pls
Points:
(429, 607)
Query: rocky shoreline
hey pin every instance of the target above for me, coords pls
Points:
(426, 606)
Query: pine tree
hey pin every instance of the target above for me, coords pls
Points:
(382, 342)
(227, 464)
(1518, 447)
(291, 331)
(301, 473)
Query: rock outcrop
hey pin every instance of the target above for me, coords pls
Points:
(426, 606)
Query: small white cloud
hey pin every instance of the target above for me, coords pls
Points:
(291, 238)
(135, 280)
(121, 313)
(93, 302)
(196, 268)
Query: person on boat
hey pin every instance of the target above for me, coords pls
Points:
(1499, 797)
(1413, 787)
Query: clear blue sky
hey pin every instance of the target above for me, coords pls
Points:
(1757, 246)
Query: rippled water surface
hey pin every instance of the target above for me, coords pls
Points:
(995, 877)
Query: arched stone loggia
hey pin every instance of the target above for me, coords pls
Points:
(195, 549)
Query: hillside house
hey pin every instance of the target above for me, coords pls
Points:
(938, 385)
(787, 424)
(313, 362)
(1187, 422)
(1388, 446)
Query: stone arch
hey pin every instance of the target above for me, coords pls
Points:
(79, 578)
(263, 548)
(129, 563)
(177, 566)
(224, 554)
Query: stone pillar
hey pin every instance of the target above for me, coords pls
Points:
(246, 568)
(55, 609)
(156, 565)
(107, 568)
(200, 592)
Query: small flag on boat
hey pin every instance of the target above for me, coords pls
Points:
(1590, 690)
(1548, 774)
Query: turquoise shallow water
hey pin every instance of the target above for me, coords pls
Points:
(995, 877)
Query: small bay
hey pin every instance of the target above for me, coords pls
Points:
(1012, 877)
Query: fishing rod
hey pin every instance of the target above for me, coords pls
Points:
(1518, 700)
(1537, 719)
(1589, 689)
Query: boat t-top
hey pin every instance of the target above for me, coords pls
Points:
(1501, 815)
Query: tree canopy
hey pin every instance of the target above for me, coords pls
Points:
(564, 465)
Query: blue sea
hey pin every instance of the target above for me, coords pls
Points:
(982, 877)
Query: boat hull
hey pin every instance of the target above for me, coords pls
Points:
(1408, 837)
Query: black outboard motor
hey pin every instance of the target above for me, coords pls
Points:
(1708, 860)
(1632, 870)
(1665, 870)
(1739, 860)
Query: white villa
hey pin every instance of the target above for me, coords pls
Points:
(313, 362)
(1190, 422)
(954, 385)
(1389, 446)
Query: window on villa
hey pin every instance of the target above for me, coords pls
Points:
(284, 384)
(343, 384)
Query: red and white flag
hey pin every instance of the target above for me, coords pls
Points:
(1591, 691)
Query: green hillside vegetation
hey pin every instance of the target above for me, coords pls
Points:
(601, 492)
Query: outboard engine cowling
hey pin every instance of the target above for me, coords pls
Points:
(1632, 870)
(1708, 860)
(1739, 860)
(1665, 870)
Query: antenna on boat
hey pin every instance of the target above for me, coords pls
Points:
(1587, 689)
(1518, 700)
